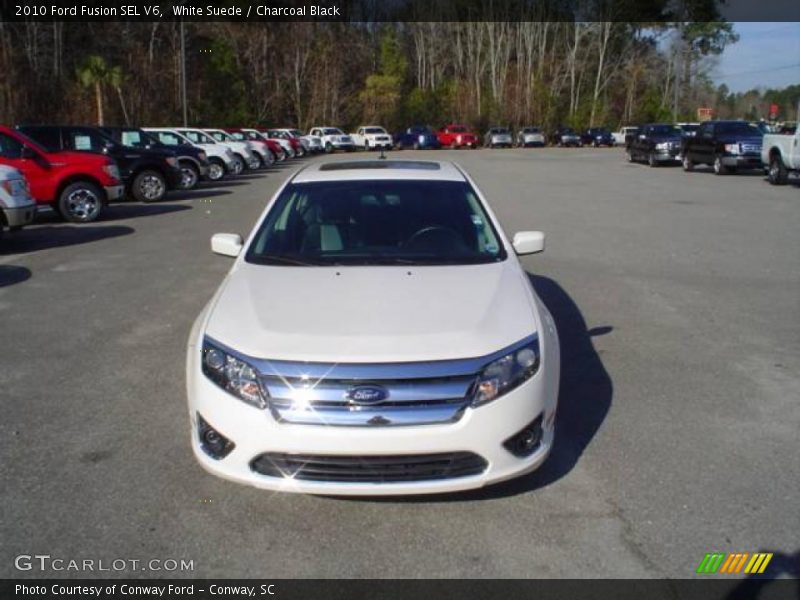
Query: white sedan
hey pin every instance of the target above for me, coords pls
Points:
(376, 334)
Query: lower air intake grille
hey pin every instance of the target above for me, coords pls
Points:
(371, 469)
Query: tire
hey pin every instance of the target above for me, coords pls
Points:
(651, 160)
(80, 202)
(777, 173)
(399, 145)
(687, 164)
(216, 169)
(366, 146)
(719, 168)
(328, 148)
(629, 154)
(190, 176)
(238, 165)
(254, 164)
(453, 145)
(149, 186)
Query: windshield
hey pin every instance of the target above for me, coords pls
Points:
(458, 129)
(374, 130)
(332, 131)
(198, 137)
(737, 129)
(500, 131)
(238, 136)
(220, 136)
(377, 222)
(531, 130)
(296, 132)
(663, 130)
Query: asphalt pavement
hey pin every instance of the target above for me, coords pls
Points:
(677, 297)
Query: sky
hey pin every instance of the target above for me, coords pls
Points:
(766, 55)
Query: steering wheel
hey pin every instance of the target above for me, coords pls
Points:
(435, 238)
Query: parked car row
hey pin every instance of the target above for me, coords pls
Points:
(725, 146)
(78, 170)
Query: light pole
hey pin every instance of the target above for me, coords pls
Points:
(183, 75)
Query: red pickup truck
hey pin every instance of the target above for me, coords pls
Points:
(75, 184)
(457, 136)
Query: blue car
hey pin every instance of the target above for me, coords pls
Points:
(418, 137)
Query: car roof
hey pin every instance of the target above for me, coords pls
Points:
(348, 170)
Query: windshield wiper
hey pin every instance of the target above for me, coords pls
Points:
(287, 260)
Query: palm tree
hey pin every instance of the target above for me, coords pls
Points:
(94, 72)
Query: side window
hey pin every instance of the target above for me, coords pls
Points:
(10, 147)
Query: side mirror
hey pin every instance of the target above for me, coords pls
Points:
(27, 152)
(528, 242)
(227, 244)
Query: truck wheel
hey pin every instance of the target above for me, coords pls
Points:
(399, 146)
(688, 165)
(719, 168)
(777, 174)
(254, 164)
(629, 154)
(651, 160)
(189, 176)
(237, 166)
(328, 148)
(80, 202)
(149, 186)
(216, 169)
(453, 145)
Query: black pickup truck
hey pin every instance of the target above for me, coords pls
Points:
(193, 161)
(725, 145)
(146, 173)
(655, 143)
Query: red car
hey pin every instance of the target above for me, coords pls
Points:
(75, 184)
(457, 136)
(278, 153)
(260, 146)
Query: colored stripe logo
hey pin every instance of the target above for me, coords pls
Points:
(734, 562)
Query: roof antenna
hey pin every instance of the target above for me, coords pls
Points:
(382, 156)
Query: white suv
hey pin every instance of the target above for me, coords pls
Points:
(372, 136)
(333, 138)
(375, 335)
(17, 208)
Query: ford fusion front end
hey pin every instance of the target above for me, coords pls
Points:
(317, 367)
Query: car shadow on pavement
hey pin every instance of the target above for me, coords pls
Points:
(35, 238)
(784, 566)
(11, 274)
(584, 400)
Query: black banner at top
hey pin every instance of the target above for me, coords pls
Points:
(255, 11)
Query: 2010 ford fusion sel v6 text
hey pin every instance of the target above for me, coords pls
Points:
(375, 335)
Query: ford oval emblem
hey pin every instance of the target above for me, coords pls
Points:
(367, 394)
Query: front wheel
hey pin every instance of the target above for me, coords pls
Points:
(629, 154)
(719, 168)
(149, 186)
(80, 202)
(189, 176)
(237, 165)
(328, 148)
(254, 163)
(777, 174)
(687, 164)
(216, 169)
(651, 160)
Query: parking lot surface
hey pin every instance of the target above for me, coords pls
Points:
(676, 295)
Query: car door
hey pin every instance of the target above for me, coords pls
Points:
(35, 167)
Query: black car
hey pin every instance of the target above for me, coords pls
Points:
(725, 145)
(597, 136)
(566, 136)
(147, 173)
(655, 143)
(417, 137)
(192, 160)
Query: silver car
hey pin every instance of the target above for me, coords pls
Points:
(530, 136)
(498, 137)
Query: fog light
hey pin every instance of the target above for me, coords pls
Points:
(213, 443)
(526, 441)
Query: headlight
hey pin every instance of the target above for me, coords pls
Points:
(233, 375)
(507, 372)
(112, 170)
(662, 146)
(421, 139)
(732, 148)
(172, 161)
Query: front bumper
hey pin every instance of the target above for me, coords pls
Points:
(343, 145)
(742, 161)
(19, 216)
(114, 192)
(480, 430)
(667, 155)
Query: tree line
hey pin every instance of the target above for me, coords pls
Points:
(302, 73)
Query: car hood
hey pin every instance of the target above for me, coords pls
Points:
(372, 314)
